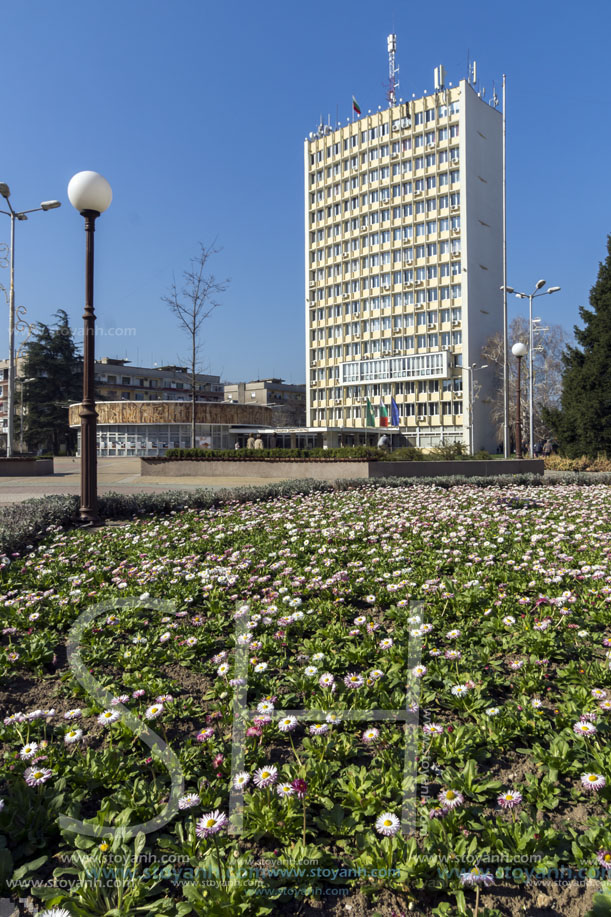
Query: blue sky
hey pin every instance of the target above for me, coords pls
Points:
(196, 113)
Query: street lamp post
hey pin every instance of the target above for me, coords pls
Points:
(15, 215)
(90, 194)
(471, 369)
(531, 397)
(519, 350)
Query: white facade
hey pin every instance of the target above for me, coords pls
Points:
(403, 265)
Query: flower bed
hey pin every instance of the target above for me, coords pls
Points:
(402, 692)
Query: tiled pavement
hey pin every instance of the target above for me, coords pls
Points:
(120, 475)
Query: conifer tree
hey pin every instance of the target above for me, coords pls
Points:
(582, 424)
(54, 367)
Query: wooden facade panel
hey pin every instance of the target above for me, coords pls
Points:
(163, 412)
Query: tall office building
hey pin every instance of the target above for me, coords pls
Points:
(404, 233)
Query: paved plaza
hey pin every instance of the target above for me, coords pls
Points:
(122, 475)
(119, 475)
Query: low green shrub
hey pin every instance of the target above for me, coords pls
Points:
(345, 452)
(406, 454)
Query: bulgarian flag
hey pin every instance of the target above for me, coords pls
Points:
(370, 418)
(355, 106)
(383, 414)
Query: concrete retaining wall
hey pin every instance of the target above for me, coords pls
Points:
(25, 468)
(334, 471)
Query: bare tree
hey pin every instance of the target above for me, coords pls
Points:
(193, 304)
(549, 343)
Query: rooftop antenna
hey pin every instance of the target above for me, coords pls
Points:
(393, 82)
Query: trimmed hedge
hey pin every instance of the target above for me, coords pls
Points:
(347, 453)
(23, 525)
(343, 454)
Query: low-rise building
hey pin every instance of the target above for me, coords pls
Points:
(151, 428)
(287, 401)
(118, 381)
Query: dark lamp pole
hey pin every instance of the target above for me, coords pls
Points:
(519, 350)
(90, 194)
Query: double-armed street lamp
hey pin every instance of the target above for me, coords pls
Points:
(519, 350)
(20, 215)
(530, 297)
(90, 194)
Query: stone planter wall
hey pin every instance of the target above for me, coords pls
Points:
(25, 468)
(326, 470)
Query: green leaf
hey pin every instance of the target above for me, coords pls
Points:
(32, 866)
(601, 906)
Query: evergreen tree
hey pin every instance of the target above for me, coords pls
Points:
(55, 366)
(583, 422)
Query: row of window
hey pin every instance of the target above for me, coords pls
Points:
(377, 281)
(387, 322)
(146, 383)
(370, 262)
(395, 389)
(383, 198)
(383, 152)
(406, 233)
(408, 298)
(358, 412)
(382, 173)
(385, 195)
(428, 249)
(356, 349)
(382, 130)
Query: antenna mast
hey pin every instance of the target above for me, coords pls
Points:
(393, 82)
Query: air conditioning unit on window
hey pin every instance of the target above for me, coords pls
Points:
(418, 194)
(345, 256)
(455, 207)
(456, 232)
(455, 322)
(338, 401)
(410, 261)
(313, 383)
(421, 416)
(313, 362)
